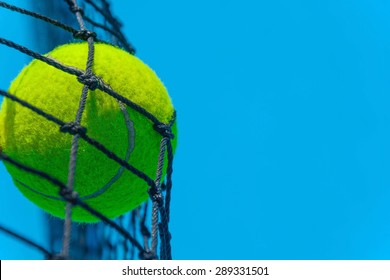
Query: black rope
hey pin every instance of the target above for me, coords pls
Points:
(122, 162)
(159, 126)
(122, 40)
(165, 250)
(106, 13)
(33, 108)
(43, 175)
(164, 129)
(84, 34)
(93, 82)
(165, 235)
(111, 224)
(50, 61)
(75, 9)
(77, 34)
(71, 197)
(28, 241)
(38, 16)
(91, 141)
(168, 184)
(73, 128)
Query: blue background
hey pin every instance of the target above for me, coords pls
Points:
(284, 121)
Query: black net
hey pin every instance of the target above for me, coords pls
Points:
(140, 234)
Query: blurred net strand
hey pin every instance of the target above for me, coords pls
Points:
(107, 15)
(27, 241)
(92, 82)
(116, 25)
(76, 33)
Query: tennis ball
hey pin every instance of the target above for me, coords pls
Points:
(36, 142)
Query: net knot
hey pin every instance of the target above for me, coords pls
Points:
(69, 195)
(90, 80)
(147, 255)
(156, 196)
(164, 129)
(84, 34)
(73, 128)
(76, 9)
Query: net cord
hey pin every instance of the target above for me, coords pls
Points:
(71, 198)
(28, 241)
(75, 33)
(73, 154)
(91, 82)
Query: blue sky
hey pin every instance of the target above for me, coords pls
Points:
(283, 126)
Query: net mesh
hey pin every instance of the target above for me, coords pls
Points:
(140, 234)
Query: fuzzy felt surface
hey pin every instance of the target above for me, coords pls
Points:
(36, 142)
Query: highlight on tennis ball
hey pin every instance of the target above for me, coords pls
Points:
(36, 142)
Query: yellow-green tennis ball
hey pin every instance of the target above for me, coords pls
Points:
(36, 142)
